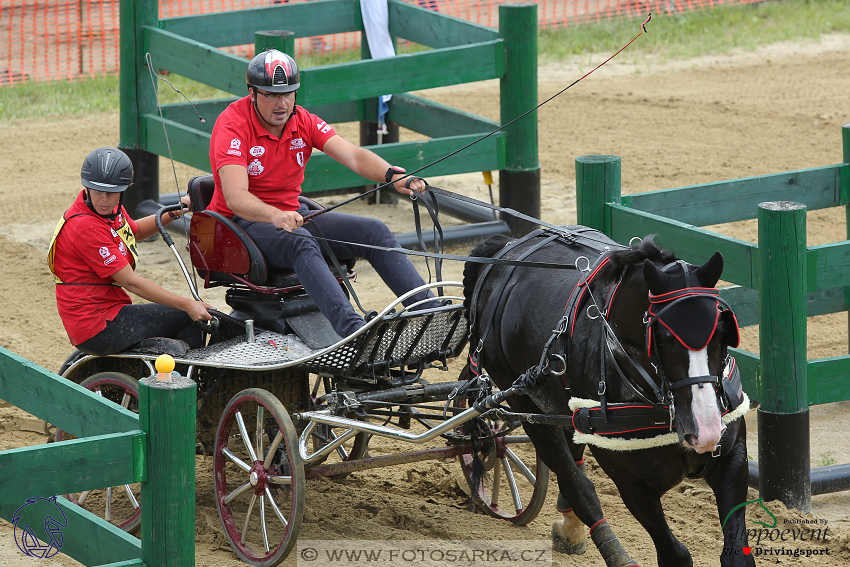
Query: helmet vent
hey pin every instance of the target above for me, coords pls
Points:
(279, 76)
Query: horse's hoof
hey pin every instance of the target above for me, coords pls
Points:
(562, 545)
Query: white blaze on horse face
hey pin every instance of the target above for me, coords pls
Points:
(704, 405)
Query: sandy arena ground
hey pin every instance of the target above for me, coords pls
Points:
(686, 122)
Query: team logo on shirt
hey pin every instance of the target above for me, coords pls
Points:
(114, 234)
(297, 144)
(235, 144)
(109, 260)
(121, 248)
(300, 157)
(104, 251)
(257, 151)
(255, 168)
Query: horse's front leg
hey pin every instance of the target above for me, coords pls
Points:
(569, 534)
(579, 491)
(643, 499)
(729, 483)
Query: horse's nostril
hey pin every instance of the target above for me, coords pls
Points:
(690, 440)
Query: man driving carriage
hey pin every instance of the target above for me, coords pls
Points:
(93, 257)
(260, 145)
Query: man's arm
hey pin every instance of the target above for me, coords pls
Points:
(368, 164)
(234, 186)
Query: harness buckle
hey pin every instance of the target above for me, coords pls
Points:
(561, 327)
(672, 410)
(601, 389)
(716, 452)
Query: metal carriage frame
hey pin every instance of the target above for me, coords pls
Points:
(269, 430)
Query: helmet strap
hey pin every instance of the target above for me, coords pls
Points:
(257, 109)
(109, 216)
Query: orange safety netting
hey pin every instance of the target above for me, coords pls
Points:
(49, 40)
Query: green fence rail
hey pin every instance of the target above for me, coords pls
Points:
(460, 52)
(114, 447)
(779, 282)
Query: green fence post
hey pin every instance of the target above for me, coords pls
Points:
(519, 182)
(137, 96)
(167, 415)
(281, 40)
(783, 416)
(845, 142)
(597, 183)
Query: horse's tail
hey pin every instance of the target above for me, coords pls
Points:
(471, 270)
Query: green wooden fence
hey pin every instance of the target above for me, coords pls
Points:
(778, 282)
(114, 447)
(461, 52)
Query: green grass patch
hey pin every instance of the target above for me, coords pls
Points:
(710, 31)
(670, 36)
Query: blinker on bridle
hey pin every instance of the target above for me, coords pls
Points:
(668, 300)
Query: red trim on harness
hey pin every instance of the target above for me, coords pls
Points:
(663, 298)
(677, 294)
(583, 285)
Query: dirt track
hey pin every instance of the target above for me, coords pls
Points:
(673, 124)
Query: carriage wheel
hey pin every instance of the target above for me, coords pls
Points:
(259, 477)
(350, 450)
(516, 479)
(118, 505)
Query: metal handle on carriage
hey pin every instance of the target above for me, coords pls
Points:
(168, 241)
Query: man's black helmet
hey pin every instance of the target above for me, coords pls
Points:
(273, 71)
(107, 169)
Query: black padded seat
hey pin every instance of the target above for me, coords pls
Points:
(220, 246)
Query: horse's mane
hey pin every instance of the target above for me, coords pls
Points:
(646, 249)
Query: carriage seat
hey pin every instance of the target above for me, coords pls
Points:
(224, 254)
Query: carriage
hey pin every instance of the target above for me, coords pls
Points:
(282, 400)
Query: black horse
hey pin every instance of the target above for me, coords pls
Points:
(632, 325)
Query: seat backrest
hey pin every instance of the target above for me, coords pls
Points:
(201, 189)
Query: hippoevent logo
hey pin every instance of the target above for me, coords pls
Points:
(773, 540)
(49, 542)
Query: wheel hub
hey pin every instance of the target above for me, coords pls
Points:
(258, 477)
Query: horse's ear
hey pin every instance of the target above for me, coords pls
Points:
(656, 280)
(709, 273)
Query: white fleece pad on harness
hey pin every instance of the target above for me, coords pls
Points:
(620, 444)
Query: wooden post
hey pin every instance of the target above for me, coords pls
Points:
(519, 182)
(845, 191)
(597, 183)
(281, 40)
(783, 416)
(167, 415)
(138, 96)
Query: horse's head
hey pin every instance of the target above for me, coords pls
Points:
(686, 334)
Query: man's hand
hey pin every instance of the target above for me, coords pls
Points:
(407, 185)
(288, 220)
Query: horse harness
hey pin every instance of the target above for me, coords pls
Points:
(629, 420)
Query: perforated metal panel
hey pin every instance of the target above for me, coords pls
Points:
(267, 349)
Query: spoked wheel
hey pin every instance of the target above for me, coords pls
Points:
(353, 449)
(515, 480)
(259, 477)
(118, 505)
